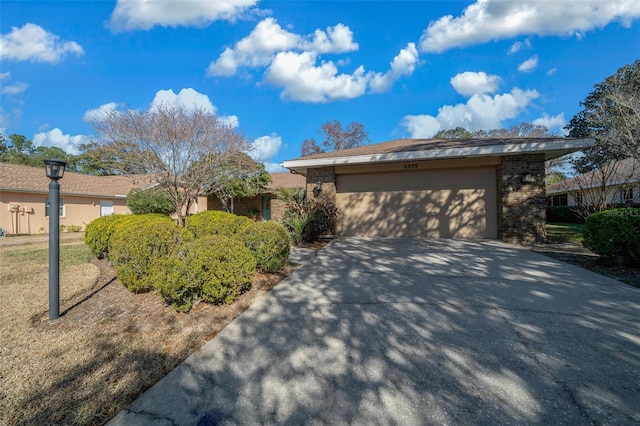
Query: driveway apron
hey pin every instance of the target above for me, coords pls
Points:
(416, 331)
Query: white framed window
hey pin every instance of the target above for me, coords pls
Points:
(579, 199)
(626, 195)
(46, 207)
(106, 207)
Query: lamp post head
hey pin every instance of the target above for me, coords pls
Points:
(54, 168)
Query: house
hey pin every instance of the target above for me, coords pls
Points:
(24, 193)
(617, 183)
(266, 203)
(455, 188)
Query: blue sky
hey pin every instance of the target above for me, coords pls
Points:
(279, 70)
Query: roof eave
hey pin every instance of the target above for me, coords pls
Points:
(552, 149)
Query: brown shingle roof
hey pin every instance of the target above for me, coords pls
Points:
(618, 173)
(286, 180)
(15, 177)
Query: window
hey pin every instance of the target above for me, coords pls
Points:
(579, 199)
(626, 195)
(46, 207)
(106, 207)
(558, 200)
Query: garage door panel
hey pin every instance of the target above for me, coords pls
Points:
(464, 209)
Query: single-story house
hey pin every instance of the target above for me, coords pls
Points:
(268, 206)
(454, 188)
(615, 184)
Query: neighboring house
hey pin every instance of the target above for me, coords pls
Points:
(456, 188)
(266, 203)
(616, 184)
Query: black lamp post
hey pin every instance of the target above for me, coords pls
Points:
(55, 171)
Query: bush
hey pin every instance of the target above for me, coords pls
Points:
(614, 235)
(563, 214)
(307, 221)
(268, 243)
(98, 233)
(140, 245)
(215, 268)
(143, 201)
(296, 222)
(214, 222)
(74, 228)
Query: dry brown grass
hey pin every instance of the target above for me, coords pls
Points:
(107, 347)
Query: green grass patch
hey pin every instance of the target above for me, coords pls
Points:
(565, 232)
(71, 255)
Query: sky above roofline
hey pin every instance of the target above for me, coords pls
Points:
(279, 70)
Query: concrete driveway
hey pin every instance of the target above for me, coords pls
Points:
(403, 331)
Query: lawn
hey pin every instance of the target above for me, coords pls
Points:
(565, 232)
(107, 347)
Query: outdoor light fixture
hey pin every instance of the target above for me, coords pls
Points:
(55, 171)
(527, 178)
(317, 189)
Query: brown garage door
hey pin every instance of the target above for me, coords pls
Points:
(451, 203)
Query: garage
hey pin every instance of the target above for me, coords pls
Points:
(434, 203)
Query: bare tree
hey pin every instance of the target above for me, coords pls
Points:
(336, 138)
(188, 152)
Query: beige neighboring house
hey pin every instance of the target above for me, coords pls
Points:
(455, 188)
(266, 203)
(24, 193)
(617, 184)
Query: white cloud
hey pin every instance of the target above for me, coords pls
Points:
(58, 139)
(268, 38)
(551, 122)
(480, 112)
(4, 75)
(403, 64)
(552, 71)
(14, 89)
(519, 45)
(303, 81)
(265, 148)
(33, 43)
(187, 98)
(475, 83)
(144, 15)
(6, 118)
(487, 20)
(529, 65)
(97, 114)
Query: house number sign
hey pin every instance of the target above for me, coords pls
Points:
(409, 166)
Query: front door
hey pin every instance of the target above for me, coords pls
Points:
(266, 207)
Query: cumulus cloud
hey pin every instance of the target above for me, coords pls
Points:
(268, 38)
(529, 65)
(481, 111)
(264, 149)
(98, 114)
(519, 45)
(14, 89)
(471, 83)
(144, 15)
(403, 64)
(303, 81)
(556, 122)
(33, 43)
(56, 138)
(187, 98)
(487, 20)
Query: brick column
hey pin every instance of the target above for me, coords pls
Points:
(521, 206)
(325, 175)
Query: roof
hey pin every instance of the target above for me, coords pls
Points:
(19, 178)
(618, 173)
(431, 149)
(286, 180)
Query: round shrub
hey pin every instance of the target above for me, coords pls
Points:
(614, 235)
(215, 222)
(215, 268)
(142, 201)
(140, 246)
(131, 221)
(268, 243)
(98, 233)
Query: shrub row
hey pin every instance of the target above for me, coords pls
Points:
(563, 214)
(614, 235)
(213, 259)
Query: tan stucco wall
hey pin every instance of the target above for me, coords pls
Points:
(30, 219)
(418, 202)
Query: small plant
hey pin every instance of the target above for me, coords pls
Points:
(614, 235)
(2, 233)
(215, 222)
(74, 228)
(41, 230)
(268, 243)
(63, 228)
(254, 213)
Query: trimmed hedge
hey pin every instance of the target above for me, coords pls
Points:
(140, 246)
(98, 233)
(215, 268)
(215, 222)
(614, 235)
(268, 243)
(563, 214)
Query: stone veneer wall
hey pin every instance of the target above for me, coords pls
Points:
(521, 206)
(326, 175)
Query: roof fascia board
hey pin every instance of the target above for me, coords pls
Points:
(480, 151)
(69, 194)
